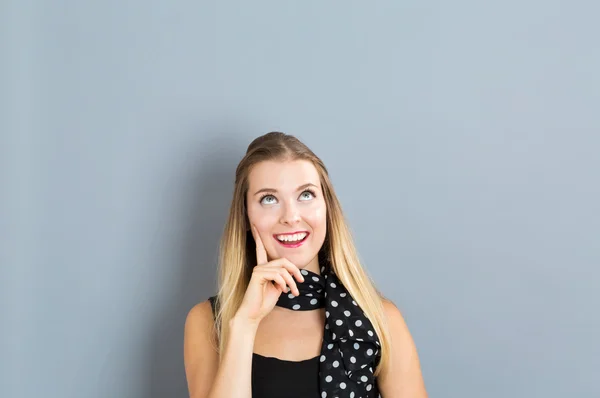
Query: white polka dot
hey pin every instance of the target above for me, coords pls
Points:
(291, 296)
(326, 326)
(329, 378)
(332, 285)
(339, 322)
(347, 313)
(314, 278)
(333, 336)
(342, 294)
(334, 303)
(352, 359)
(358, 322)
(304, 272)
(368, 387)
(324, 395)
(354, 302)
(342, 385)
(350, 332)
(364, 379)
(314, 301)
(352, 394)
(370, 333)
(335, 364)
(326, 314)
(330, 346)
(322, 358)
(311, 286)
(363, 366)
(356, 346)
(369, 352)
(296, 307)
(309, 294)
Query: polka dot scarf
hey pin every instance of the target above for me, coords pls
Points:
(351, 348)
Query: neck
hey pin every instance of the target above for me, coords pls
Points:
(313, 266)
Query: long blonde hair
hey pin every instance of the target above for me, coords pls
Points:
(237, 251)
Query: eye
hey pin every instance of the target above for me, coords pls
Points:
(269, 199)
(264, 199)
(307, 195)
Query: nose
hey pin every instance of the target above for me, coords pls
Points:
(290, 214)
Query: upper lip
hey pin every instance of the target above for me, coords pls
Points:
(292, 233)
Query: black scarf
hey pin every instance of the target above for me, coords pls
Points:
(351, 349)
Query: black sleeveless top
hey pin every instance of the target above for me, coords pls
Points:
(278, 378)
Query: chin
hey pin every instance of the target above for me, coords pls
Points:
(300, 261)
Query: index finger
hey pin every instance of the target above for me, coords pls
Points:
(261, 253)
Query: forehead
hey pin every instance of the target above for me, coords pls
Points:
(282, 175)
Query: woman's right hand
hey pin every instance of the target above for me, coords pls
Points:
(268, 281)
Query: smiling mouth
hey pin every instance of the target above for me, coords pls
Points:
(292, 240)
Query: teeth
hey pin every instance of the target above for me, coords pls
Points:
(292, 238)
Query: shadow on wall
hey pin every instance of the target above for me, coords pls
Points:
(211, 185)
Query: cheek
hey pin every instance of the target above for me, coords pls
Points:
(317, 219)
(264, 220)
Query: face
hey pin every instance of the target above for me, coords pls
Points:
(285, 203)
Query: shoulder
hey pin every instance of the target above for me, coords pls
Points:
(199, 331)
(201, 310)
(400, 335)
(392, 313)
(199, 319)
(402, 377)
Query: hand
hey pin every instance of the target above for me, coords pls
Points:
(268, 281)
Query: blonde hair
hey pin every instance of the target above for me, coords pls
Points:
(237, 251)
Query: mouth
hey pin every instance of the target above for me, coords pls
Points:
(292, 240)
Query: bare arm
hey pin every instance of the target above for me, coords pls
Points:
(205, 377)
(403, 378)
(232, 378)
(200, 357)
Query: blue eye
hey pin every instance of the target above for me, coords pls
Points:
(304, 196)
(262, 199)
(310, 193)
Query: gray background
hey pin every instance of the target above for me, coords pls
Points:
(462, 138)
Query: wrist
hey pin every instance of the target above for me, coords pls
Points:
(243, 324)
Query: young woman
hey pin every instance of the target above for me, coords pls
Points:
(295, 315)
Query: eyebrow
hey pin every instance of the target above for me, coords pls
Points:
(301, 187)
